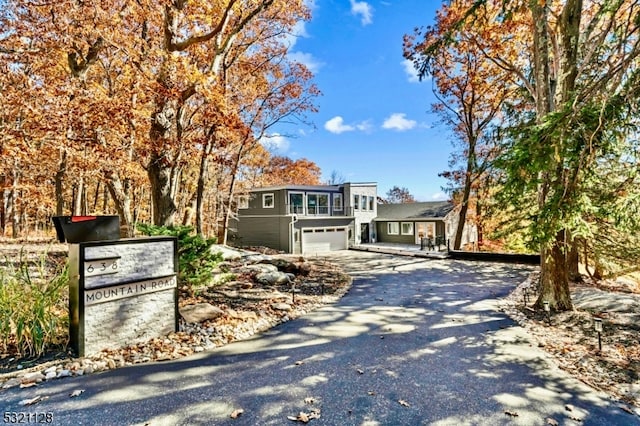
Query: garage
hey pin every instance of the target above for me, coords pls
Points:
(318, 240)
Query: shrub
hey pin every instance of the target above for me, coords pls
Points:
(34, 312)
(196, 260)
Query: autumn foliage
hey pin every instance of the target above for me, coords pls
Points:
(151, 109)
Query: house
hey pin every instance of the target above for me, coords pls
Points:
(408, 223)
(306, 219)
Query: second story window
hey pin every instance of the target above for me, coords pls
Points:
(268, 201)
(337, 202)
(372, 203)
(296, 203)
(356, 202)
(363, 202)
(318, 204)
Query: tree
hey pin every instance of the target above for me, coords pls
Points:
(285, 171)
(399, 195)
(470, 90)
(577, 64)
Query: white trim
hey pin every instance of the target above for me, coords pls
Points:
(397, 226)
(333, 204)
(289, 205)
(410, 232)
(317, 213)
(273, 201)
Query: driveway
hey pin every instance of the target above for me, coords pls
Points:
(415, 341)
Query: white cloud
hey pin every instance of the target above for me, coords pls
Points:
(363, 9)
(336, 125)
(439, 196)
(275, 142)
(397, 121)
(411, 72)
(307, 60)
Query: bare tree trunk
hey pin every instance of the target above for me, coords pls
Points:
(203, 178)
(59, 182)
(120, 193)
(3, 205)
(15, 213)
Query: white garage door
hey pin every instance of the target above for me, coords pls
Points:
(318, 240)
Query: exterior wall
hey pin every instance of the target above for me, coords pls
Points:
(362, 216)
(268, 231)
(255, 203)
(384, 237)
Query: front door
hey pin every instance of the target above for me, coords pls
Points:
(425, 230)
(364, 232)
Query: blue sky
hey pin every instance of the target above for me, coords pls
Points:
(374, 122)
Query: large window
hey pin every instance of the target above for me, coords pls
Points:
(296, 203)
(407, 228)
(372, 203)
(356, 202)
(337, 202)
(267, 201)
(393, 228)
(318, 204)
(363, 202)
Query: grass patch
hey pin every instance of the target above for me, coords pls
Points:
(34, 315)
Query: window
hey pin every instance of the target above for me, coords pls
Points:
(363, 202)
(356, 202)
(318, 204)
(337, 202)
(243, 202)
(407, 228)
(267, 201)
(393, 228)
(372, 203)
(296, 203)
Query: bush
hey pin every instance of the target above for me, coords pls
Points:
(34, 312)
(196, 260)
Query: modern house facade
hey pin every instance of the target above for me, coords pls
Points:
(306, 219)
(409, 223)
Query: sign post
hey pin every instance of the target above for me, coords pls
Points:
(122, 292)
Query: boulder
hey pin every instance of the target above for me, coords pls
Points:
(274, 278)
(257, 269)
(200, 312)
(281, 307)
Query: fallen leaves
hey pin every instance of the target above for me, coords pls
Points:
(303, 417)
(76, 393)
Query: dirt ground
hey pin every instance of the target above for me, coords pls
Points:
(249, 308)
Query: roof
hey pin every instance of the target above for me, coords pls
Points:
(311, 187)
(424, 210)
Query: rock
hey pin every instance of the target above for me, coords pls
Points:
(273, 278)
(226, 252)
(64, 373)
(200, 312)
(247, 315)
(50, 375)
(33, 377)
(50, 370)
(12, 383)
(258, 268)
(281, 307)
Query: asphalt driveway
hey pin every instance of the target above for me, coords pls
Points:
(415, 341)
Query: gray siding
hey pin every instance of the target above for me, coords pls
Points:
(384, 237)
(263, 231)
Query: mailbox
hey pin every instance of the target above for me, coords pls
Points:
(81, 229)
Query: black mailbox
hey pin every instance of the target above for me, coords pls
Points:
(80, 229)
